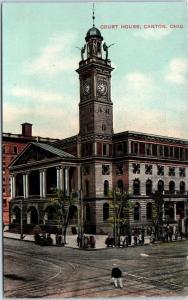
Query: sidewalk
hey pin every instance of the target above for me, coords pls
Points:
(71, 239)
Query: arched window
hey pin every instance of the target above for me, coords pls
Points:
(88, 215)
(137, 211)
(50, 213)
(87, 188)
(182, 187)
(16, 215)
(172, 187)
(34, 216)
(148, 187)
(149, 211)
(73, 214)
(120, 186)
(160, 186)
(136, 187)
(106, 187)
(105, 211)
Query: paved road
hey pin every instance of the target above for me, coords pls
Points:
(34, 271)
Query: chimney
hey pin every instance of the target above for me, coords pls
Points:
(27, 129)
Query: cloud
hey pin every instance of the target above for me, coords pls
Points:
(142, 105)
(177, 71)
(36, 94)
(138, 85)
(48, 120)
(54, 58)
(153, 34)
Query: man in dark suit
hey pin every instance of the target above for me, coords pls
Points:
(117, 276)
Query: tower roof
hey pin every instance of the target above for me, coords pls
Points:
(93, 32)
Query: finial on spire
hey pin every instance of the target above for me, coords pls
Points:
(93, 15)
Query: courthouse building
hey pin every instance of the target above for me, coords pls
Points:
(97, 161)
(13, 144)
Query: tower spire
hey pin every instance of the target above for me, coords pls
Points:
(93, 17)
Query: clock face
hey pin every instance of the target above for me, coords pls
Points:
(86, 87)
(102, 88)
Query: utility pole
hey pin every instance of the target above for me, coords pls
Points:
(21, 220)
(81, 212)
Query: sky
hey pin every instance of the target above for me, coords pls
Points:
(40, 85)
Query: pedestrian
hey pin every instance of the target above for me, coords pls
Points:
(117, 276)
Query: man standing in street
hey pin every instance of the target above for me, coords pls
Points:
(117, 276)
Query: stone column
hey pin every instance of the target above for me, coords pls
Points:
(79, 178)
(174, 211)
(58, 177)
(67, 181)
(24, 185)
(14, 186)
(41, 183)
(61, 178)
(95, 148)
(27, 185)
(44, 183)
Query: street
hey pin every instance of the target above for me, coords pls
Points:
(153, 270)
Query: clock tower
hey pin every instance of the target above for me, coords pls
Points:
(95, 107)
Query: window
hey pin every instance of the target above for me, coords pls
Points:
(137, 211)
(103, 127)
(166, 151)
(148, 169)
(87, 188)
(15, 150)
(134, 147)
(181, 153)
(120, 186)
(160, 170)
(136, 168)
(148, 187)
(171, 151)
(172, 187)
(86, 170)
(161, 150)
(148, 149)
(154, 150)
(149, 211)
(182, 172)
(105, 211)
(182, 187)
(176, 152)
(4, 148)
(107, 111)
(88, 214)
(160, 186)
(119, 169)
(136, 187)
(106, 187)
(119, 149)
(171, 171)
(105, 149)
(105, 170)
(4, 202)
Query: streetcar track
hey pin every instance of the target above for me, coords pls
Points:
(42, 290)
(29, 287)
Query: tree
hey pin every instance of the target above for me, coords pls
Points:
(121, 209)
(157, 211)
(62, 206)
